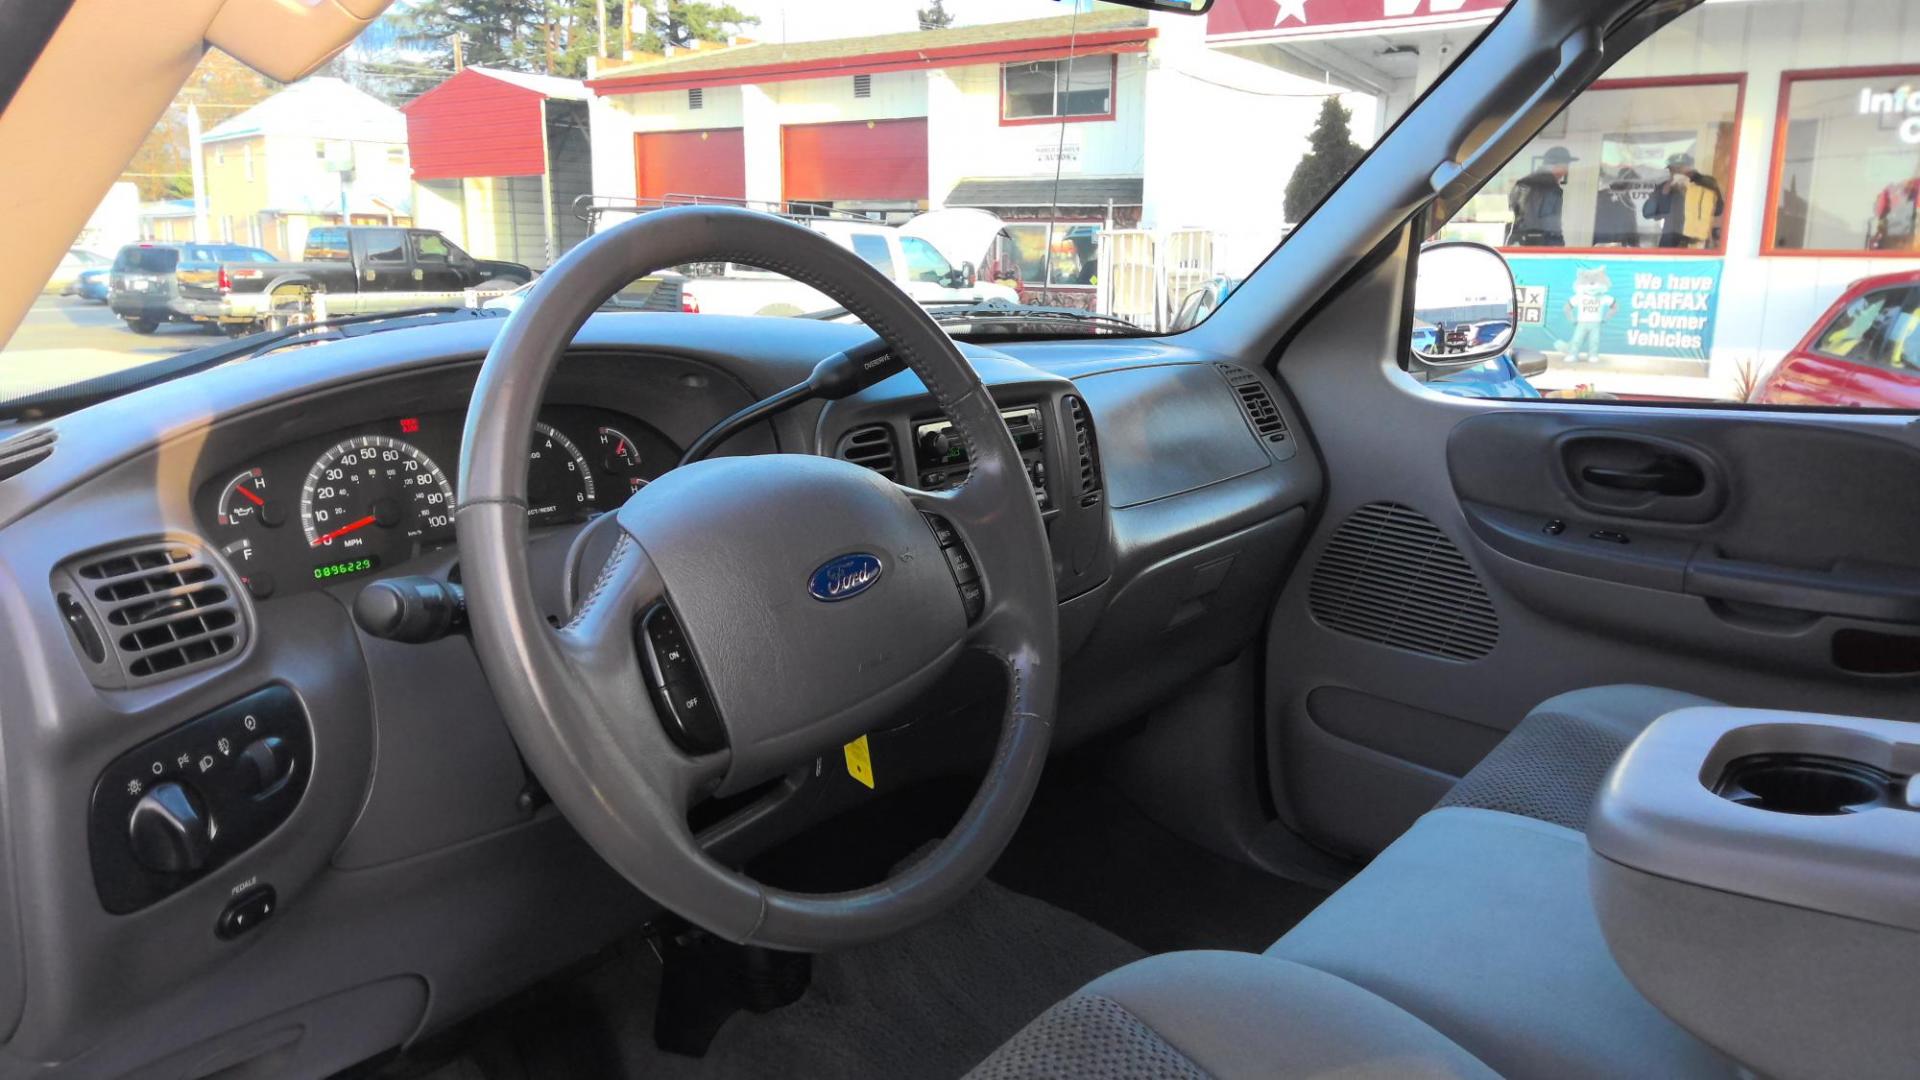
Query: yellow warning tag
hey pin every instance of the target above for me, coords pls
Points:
(859, 761)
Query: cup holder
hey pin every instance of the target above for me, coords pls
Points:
(1806, 784)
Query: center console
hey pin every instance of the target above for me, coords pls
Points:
(1757, 876)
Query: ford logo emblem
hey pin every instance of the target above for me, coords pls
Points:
(845, 577)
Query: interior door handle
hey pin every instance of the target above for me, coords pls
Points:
(1667, 478)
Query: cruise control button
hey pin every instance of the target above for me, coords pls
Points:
(943, 533)
(974, 597)
(961, 563)
(692, 720)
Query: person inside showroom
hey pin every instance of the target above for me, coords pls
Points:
(1687, 205)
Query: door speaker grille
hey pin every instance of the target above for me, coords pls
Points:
(1391, 577)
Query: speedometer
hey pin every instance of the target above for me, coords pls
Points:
(364, 494)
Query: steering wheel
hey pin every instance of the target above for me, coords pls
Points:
(800, 647)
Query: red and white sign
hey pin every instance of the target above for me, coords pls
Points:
(1268, 20)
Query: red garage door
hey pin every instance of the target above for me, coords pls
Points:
(877, 160)
(711, 163)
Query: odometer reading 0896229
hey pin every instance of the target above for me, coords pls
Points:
(369, 491)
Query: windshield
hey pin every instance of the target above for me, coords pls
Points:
(1040, 157)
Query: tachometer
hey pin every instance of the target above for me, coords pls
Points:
(364, 492)
(560, 487)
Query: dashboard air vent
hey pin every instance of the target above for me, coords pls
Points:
(872, 446)
(1086, 451)
(1390, 576)
(165, 608)
(1256, 403)
(22, 452)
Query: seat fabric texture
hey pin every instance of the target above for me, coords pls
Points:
(1193, 1015)
(1480, 923)
(1552, 764)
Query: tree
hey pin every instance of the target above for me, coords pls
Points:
(936, 17)
(221, 88)
(1331, 154)
(552, 36)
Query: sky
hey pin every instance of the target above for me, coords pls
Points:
(812, 20)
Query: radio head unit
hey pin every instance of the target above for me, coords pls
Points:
(940, 457)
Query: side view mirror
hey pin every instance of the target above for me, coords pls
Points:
(1530, 362)
(969, 276)
(1465, 305)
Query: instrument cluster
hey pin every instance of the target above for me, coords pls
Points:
(377, 495)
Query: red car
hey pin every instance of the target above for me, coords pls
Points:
(1864, 352)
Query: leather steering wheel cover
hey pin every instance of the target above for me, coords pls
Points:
(589, 769)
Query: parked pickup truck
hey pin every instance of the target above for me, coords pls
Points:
(913, 264)
(346, 270)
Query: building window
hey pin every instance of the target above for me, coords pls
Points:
(1847, 163)
(863, 86)
(1077, 89)
(1633, 163)
(1059, 254)
(696, 98)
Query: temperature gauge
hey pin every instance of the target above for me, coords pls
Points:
(620, 455)
(245, 501)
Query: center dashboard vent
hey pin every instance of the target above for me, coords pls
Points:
(872, 447)
(1086, 453)
(162, 609)
(1256, 402)
(21, 452)
(1390, 576)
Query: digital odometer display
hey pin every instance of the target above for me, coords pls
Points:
(329, 571)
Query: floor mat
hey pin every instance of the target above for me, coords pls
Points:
(1086, 848)
(929, 1003)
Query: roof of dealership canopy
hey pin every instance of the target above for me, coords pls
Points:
(317, 107)
(1087, 34)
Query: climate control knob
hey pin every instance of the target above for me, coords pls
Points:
(170, 830)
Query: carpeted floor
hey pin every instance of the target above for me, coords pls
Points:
(929, 1003)
(1089, 884)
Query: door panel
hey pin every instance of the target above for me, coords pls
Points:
(1764, 559)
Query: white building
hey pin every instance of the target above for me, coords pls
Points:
(318, 152)
(1065, 127)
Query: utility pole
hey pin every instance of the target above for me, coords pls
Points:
(626, 28)
(605, 47)
(197, 169)
(459, 41)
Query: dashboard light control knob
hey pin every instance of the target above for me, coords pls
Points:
(170, 830)
(267, 763)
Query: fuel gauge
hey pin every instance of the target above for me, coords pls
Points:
(245, 501)
(241, 554)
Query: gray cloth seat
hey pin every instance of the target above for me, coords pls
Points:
(1480, 923)
(1552, 764)
(1191, 1015)
(1473, 931)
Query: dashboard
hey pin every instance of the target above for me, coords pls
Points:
(385, 863)
(378, 494)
